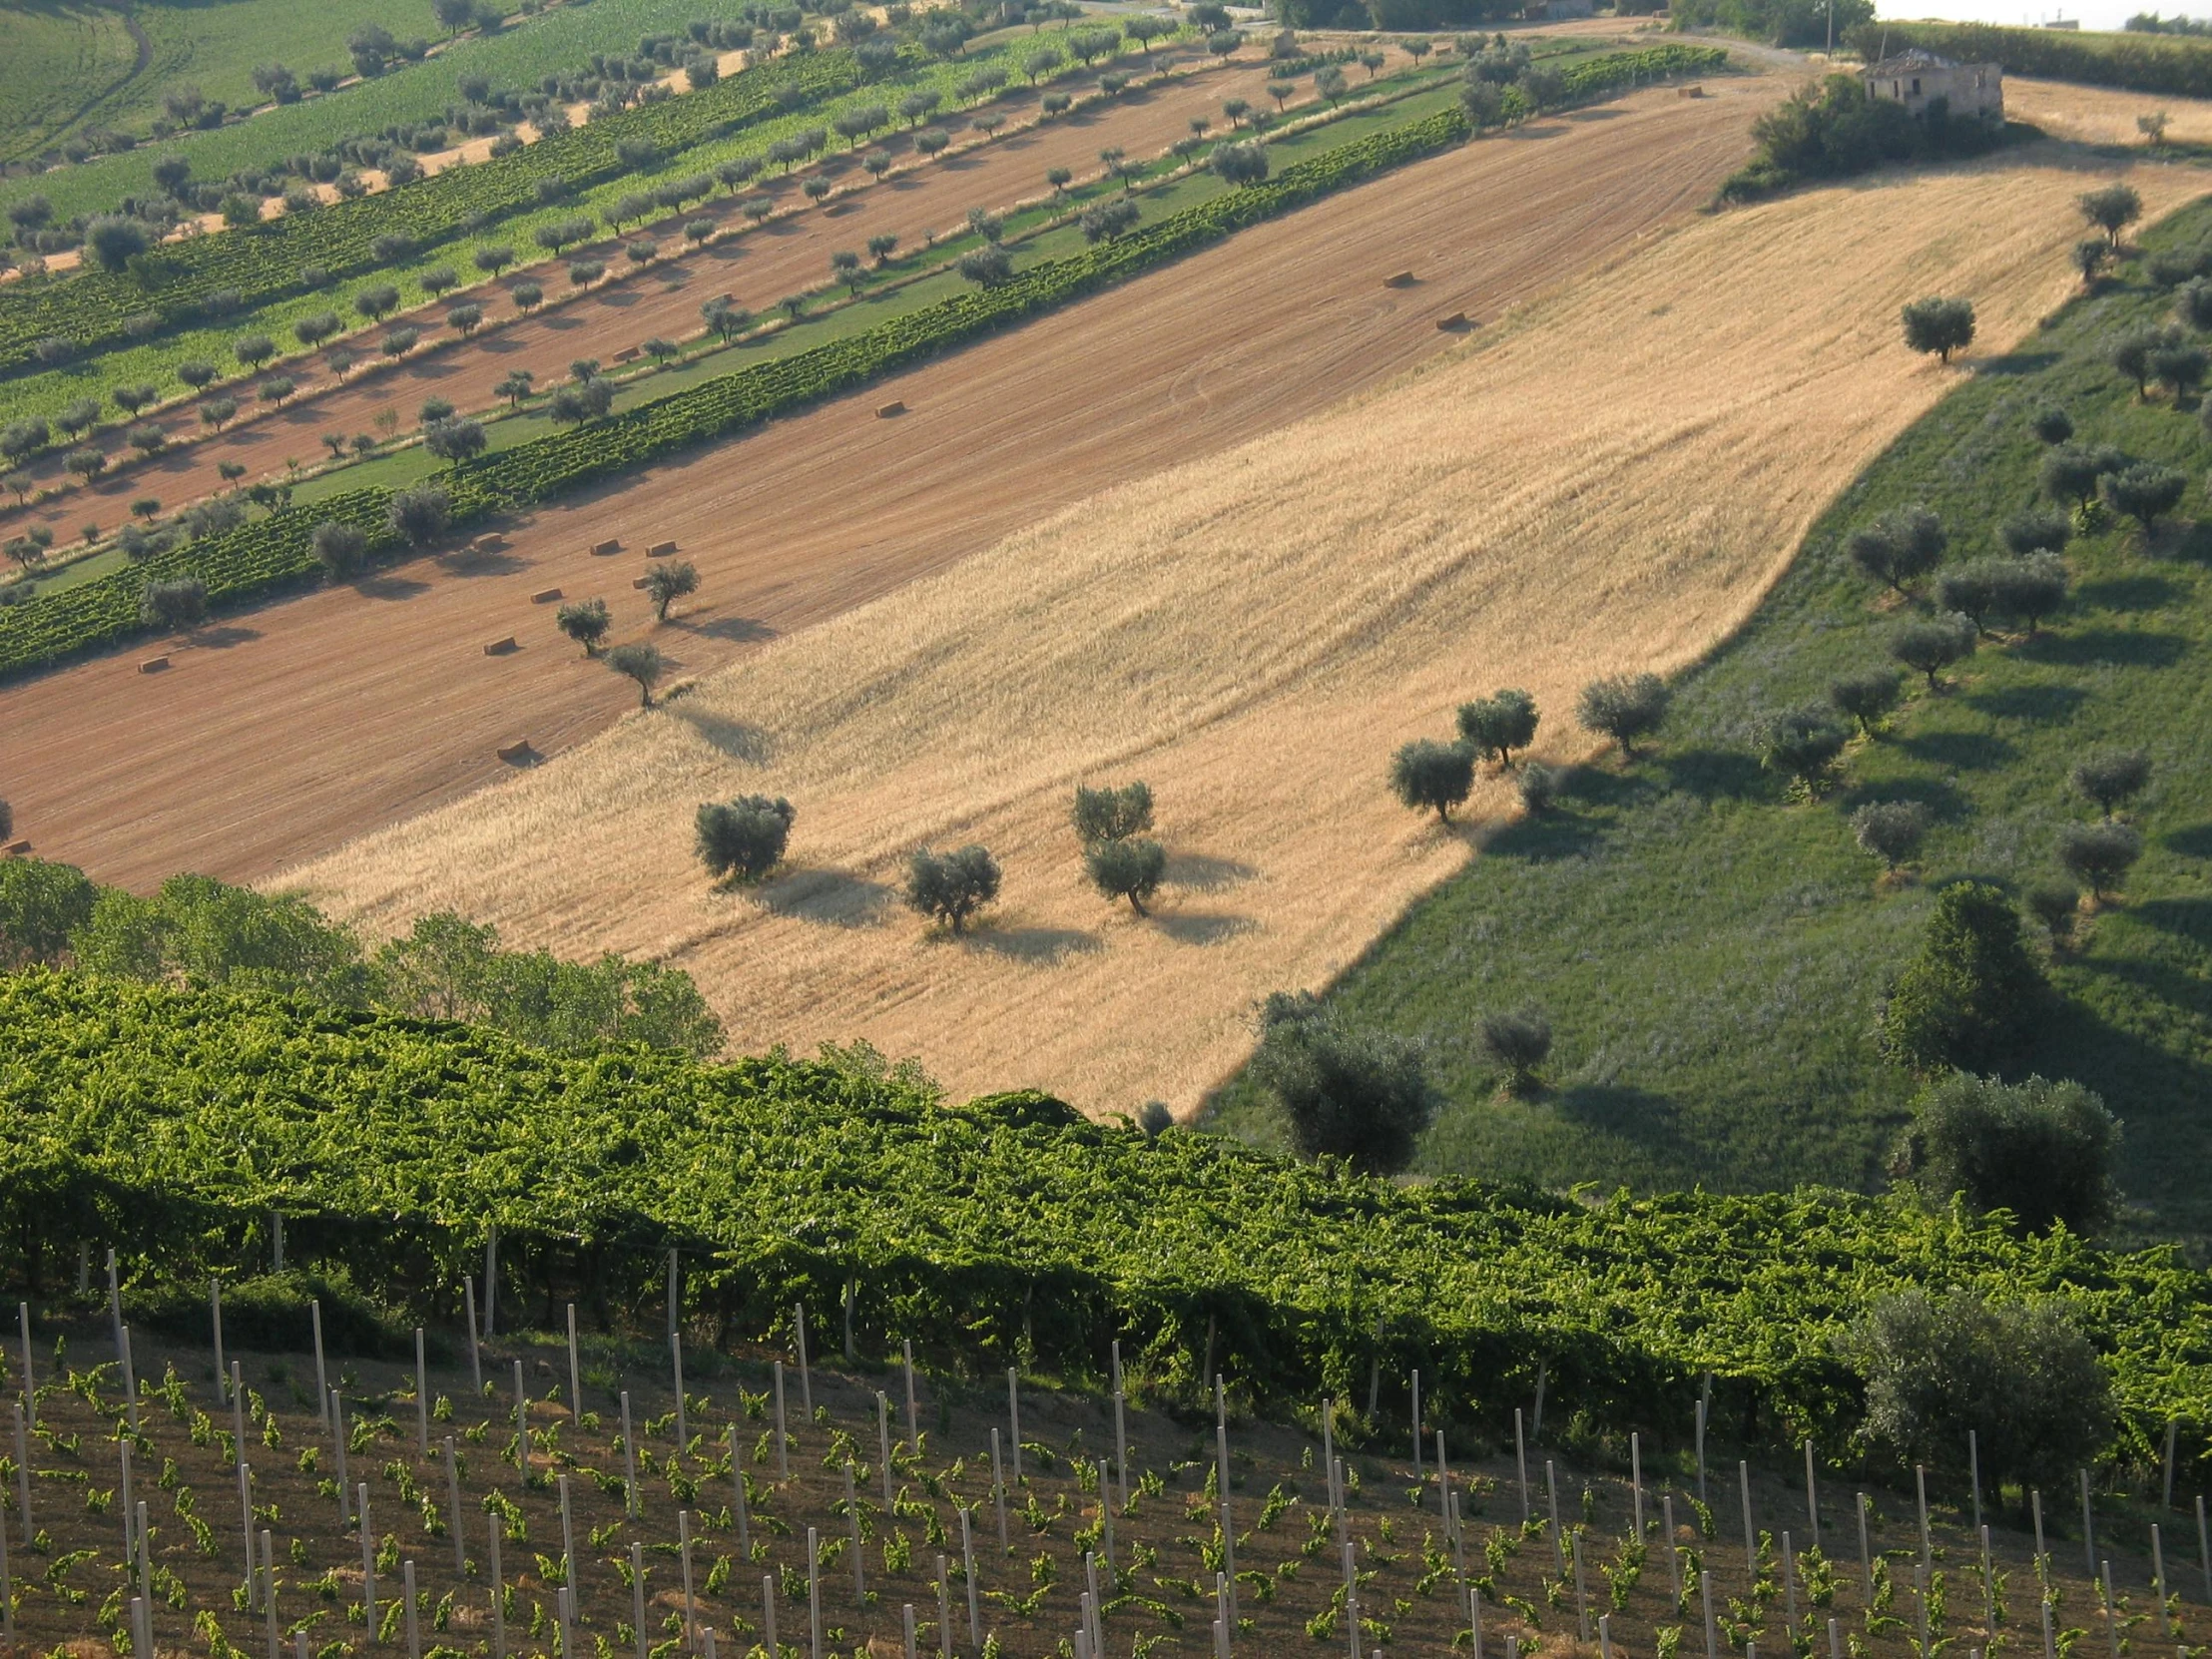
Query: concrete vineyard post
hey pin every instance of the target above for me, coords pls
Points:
(883, 1441)
(1834, 1640)
(369, 1559)
(1927, 1547)
(575, 1370)
(814, 1593)
(1552, 1496)
(806, 1376)
(1674, 1549)
(1919, 1595)
(683, 1424)
(1636, 1481)
(2111, 1610)
(998, 1490)
(1865, 1549)
(683, 1555)
(2204, 1545)
(1712, 1631)
(2050, 1640)
(2088, 1526)
(1520, 1461)
(1973, 1472)
(453, 1500)
(767, 1612)
(737, 1499)
(851, 1296)
(852, 1518)
(1444, 1490)
(974, 1591)
(631, 1506)
(1328, 1449)
(782, 1438)
(1121, 1446)
(1788, 1580)
(215, 1321)
(115, 1307)
(522, 1425)
(23, 1473)
(130, 1381)
(337, 1456)
(674, 1291)
(1751, 1537)
(1605, 1636)
(407, 1600)
(1419, 1485)
(637, 1598)
(913, 1412)
(568, 1531)
(322, 1371)
(1989, 1591)
(499, 1595)
(421, 1397)
(245, 1523)
(2157, 1569)
(475, 1354)
(906, 1615)
(1013, 1422)
(1701, 1410)
(2173, 1426)
(944, 1610)
(2035, 1507)
(491, 1283)
(1475, 1617)
(238, 1408)
(1812, 1497)
(269, 1597)
(1581, 1596)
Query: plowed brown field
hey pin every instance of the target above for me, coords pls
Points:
(315, 720)
(790, 254)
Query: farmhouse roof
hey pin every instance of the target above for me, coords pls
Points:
(1906, 62)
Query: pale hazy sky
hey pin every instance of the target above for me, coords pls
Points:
(2093, 14)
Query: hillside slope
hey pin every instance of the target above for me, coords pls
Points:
(1607, 480)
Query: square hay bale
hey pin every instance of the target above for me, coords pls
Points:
(1694, 90)
(545, 596)
(628, 354)
(602, 549)
(1398, 279)
(500, 648)
(1454, 323)
(517, 752)
(16, 850)
(491, 543)
(660, 550)
(641, 581)
(888, 409)
(154, 665)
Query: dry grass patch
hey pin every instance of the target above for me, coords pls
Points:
(1607, 481)
(2103, 115)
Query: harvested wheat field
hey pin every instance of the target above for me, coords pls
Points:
(2100, 115)
(1606, 482)
(310, 722)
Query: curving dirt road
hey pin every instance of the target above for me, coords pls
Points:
(787, 256)
(315, 720)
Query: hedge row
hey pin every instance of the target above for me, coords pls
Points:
(173, 1125)
(2180, 68)
(264, 262)
(269, 553)
(1593, 76)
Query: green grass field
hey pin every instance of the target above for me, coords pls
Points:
(56, 61)
(1710, 952)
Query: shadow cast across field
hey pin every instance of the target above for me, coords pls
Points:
(389, 586)
(2195, 842)
(1201, 873)
(2127, 593)
(2013, 363)
(1201, 928)
(2041, 705)
(826, 898)
(2104, 647)
(1943, 801)
(1959, 751)
(1039, 946)
(738, 630)
(733, 737)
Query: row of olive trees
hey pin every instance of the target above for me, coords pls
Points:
(1427, 775)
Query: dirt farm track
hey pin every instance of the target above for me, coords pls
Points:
(307, 723)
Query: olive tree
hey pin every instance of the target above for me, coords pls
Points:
(1865, 696)
(1933, 645)
(951, 886)
(586, 622)
(745, 838)
(1973, 996)
(1900, 546)
(2043, 1151)
(2111, 209)
(1128, 868)
(1939, 325)
(1623, 707)
(1111, 814)
(1345, 1092)
(173, 604)
(1493, 726)
(340, 548)
(2019, 1376)
(1891, 831)
(2099, 853)
(420, 514)
(642, 663)
(2037, 531)
(1520, 1042)
(1433, 777)
(2111, 776)
(2145, 492)
(665, 584)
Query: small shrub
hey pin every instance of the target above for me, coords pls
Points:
(1803, 743)
(1539, 788)
(2099, 853)
(1971, 999)
(1362, 1096)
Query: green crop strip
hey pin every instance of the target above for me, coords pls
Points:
(275, 550)
(171, 1124)
(264, 262)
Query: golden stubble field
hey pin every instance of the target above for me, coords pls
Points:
(1605, 480)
